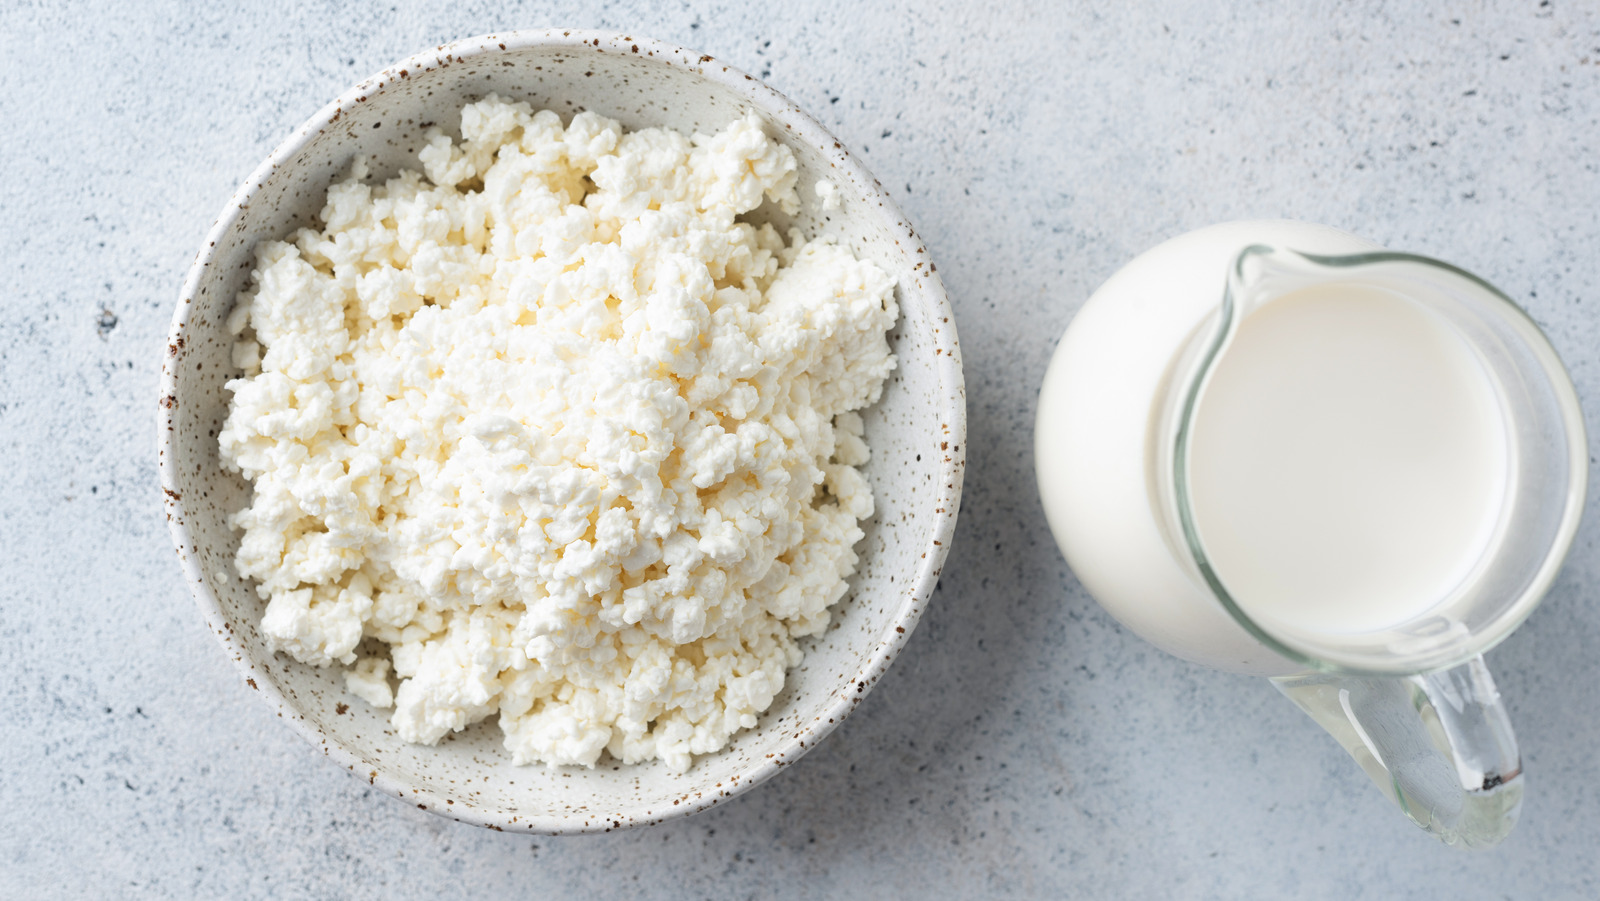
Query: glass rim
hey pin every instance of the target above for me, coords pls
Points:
(1479, 640)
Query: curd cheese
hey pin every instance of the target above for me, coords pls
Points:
(553, 425)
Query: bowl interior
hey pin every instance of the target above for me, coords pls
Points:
(915, 431)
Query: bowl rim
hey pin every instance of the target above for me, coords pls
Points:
(947, 365)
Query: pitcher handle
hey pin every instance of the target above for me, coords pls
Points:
(1439, 745)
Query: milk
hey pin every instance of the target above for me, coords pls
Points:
(1098, 448)
(1354, 475)
(1348, 461)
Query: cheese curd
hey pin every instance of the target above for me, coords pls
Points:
(551, 423)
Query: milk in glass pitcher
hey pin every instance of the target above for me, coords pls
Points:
(1276, 448)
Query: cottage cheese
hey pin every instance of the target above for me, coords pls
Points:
(545, 431)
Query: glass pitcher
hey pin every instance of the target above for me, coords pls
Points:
(1411, 701)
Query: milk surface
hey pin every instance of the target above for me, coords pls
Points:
(1348, 461)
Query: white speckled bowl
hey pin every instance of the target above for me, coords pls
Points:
(916, 431)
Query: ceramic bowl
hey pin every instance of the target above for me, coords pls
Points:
(916, 431)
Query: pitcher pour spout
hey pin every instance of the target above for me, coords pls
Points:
(1438, 745)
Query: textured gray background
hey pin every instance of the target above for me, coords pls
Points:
(1024, 745)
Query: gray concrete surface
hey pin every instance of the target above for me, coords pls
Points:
(1024, 746)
